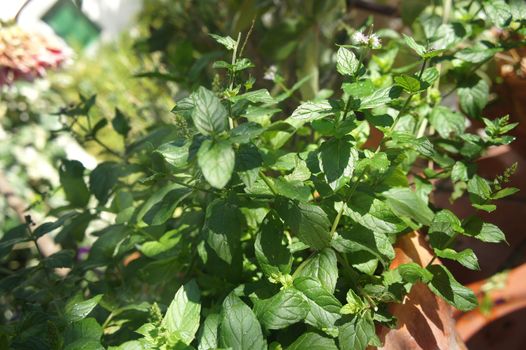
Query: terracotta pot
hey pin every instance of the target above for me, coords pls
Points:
(506, 300)
(424, 321)
(512, 92)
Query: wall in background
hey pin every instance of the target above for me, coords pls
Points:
(111, 16)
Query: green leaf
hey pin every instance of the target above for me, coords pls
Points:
(483, 231)
(405, 202)
(473, 96)
(359, 89)
(354, 304)
(99, 126)
(477, 54)
(312, 341)
(308, 222)
(293, 189)
(346, 62)
(444, 225)
(309, 111)
(71, 174)
(430, 75)
(419, 49)
(62, 258)
(412, 273)
(466, 257)
(183, 314)
(322, 266)
(103, 178)
(444, 38)
(165, 243)
(77, 308)
(216, 160)
(357, 332)
(446, 122)
(445, 286)
(505, 192)
(324, 307)
(338, 160)
(373, 213)
(380, 97)
(83, 335)
(272, 253)
(358, 239)
(247, 163)
(223, 226)
(175, 153)
(50, 226)
(375, 163)
(184, 107)
(209, 115)
(226, 41)
(499, 12)
(120, 123)
(255, 96)
(409, 83)
(459, 172)
(480, 193)
(207, 336)
(518, 10)
(161, 205)
(239, 329)
(245, 132)
(104, 250)
(479, 186)
(11, 237)
(282, 310)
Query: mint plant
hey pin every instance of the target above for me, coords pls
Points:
(272, 229)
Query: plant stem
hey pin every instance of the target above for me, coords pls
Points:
(409, 98)
(301, 266)
(269, 183)
(19, 12)
(35, 241)
(340, 212)
(89, 131)
(197, 188)
(446, 245)
(422, 69)
(106, 147)
(247, 37)
(234, 54)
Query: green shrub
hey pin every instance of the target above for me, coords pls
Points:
(270, 231)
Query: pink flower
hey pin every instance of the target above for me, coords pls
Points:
(27, 56)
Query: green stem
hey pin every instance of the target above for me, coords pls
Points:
(89, 131)
(196, 188)
(234, 53)
(107, 321)
(409, 98)
(446, 245)
(422, 69)
(407, 101)
(268, 182)
(40, 253)
(301, 266)
(340, 212)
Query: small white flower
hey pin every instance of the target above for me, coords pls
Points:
(358, 38)
(374, 42)
(270, 74)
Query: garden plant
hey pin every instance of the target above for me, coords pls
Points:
(243, 225)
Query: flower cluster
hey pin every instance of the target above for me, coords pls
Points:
(27, 56)
(372, 40)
